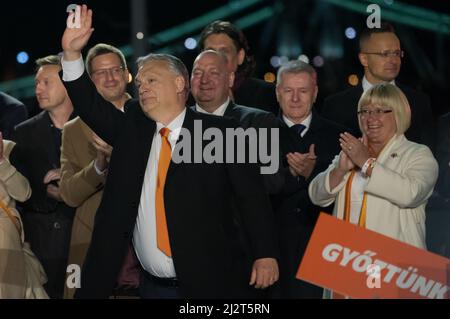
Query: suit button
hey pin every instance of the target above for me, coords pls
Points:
(56, 225)
(298, 210)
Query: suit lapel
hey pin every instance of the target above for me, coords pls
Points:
(229, 111)
(292, 142)
(188, 124)
(87, 134)
(314, 127)
(85, 129)
(146, 130)
(289, 140)
(44, 132)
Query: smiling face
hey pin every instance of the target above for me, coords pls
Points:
(109, 77)
(296, 94)
(211, 80)
(378, 69)
(50, 91)
(378, 127)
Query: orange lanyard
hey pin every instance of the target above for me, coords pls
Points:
(348, 194)
(11, 216)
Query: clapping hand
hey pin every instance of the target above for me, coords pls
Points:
(302, 164)
(356, 150)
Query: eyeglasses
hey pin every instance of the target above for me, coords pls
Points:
(376, 113)
(102, 73)
(386, 54)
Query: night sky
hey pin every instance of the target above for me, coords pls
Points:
(37, 26)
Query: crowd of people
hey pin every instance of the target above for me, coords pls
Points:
(96, 184)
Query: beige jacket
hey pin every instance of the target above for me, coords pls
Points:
(80, 186)
(398, 190)
(21, 274)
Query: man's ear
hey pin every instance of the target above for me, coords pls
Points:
(315, 94)
(241, 56)
(363, 59)
(231, 80)
(180, 84)
(127, 76)
(277, 88)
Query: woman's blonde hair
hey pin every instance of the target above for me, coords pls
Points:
(387, 95)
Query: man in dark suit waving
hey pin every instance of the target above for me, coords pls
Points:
(381, 56)
(177, 215)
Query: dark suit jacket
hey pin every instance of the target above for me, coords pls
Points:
(251, 117)
(342, 108)
(296, 215)
(12, 112)
(247, 117)
(257, 93)
(36, 153)
(198, 202)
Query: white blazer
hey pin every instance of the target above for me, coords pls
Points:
(397, 192)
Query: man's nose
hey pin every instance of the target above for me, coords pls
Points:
(109, 75)
(204, 78)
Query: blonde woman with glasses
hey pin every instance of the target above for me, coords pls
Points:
(382, 181)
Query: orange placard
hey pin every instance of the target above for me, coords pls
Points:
(360, 263)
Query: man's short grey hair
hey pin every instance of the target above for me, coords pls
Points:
(211, 51)
(174, 64)
(296, 67)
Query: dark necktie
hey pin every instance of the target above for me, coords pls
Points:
(298, 129)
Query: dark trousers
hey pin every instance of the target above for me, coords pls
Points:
(49, 238)
(152, 288)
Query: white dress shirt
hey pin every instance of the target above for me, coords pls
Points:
(359, 183)
(306, 122)
(367, 85)
(152, 259)
(220, 111)
(72, 70)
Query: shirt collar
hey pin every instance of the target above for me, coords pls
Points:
(220, 111)
(174, 126)
(128, 97)
(367, 85)
(306, 122)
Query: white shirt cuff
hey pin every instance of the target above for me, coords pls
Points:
(72, 70)
(99, 172)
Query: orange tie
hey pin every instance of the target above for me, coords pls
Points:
(165, 155)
